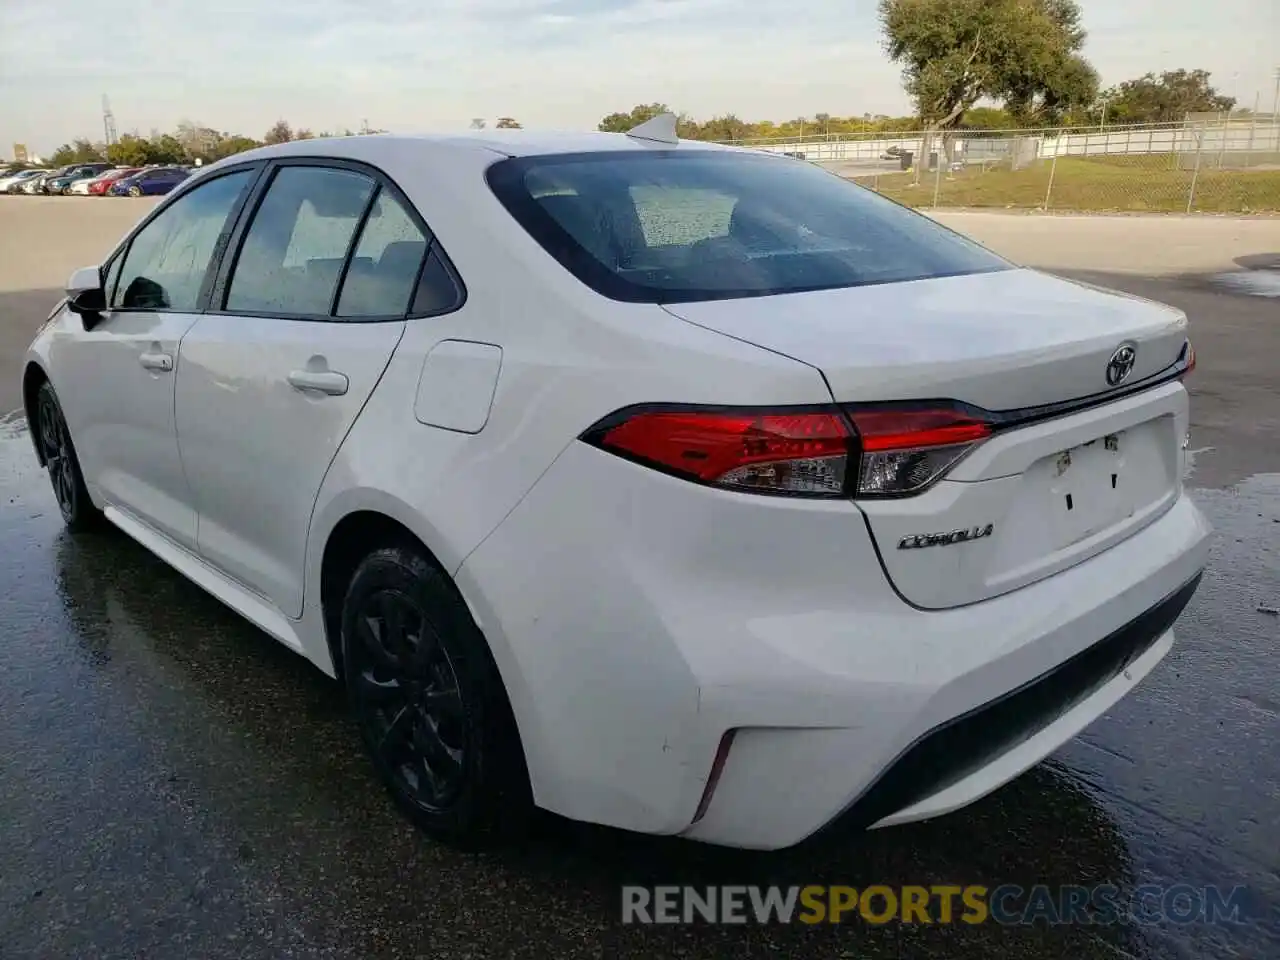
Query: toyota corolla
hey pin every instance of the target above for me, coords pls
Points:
(664, 485)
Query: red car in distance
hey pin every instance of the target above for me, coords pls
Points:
(100, 186)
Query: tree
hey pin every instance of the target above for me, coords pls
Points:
(622, 122)
(166, 149)
(1164, 99)
(1024, 53)
(723, 129)
(304, 134)
(234, 144)
(78, 151)
(130, 150)
(281, 132)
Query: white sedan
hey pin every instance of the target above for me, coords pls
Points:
(18, 178)
(659, 484)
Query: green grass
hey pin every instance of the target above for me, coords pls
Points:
(1138, 184)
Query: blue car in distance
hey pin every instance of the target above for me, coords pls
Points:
(152, 182)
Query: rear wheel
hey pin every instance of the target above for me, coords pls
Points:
(78, 511)
(428, 700)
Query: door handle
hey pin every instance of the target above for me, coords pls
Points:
(322, 381)
(160, 362)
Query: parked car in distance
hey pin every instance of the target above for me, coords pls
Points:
(661, 484)
(14, 182)
(35, 185)
(148, 182)
(54, 175)
(81, 187)
(85, 171)
(99, 185)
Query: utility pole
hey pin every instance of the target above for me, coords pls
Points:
(108, 122)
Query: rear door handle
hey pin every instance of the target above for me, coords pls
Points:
(160, 362)
(322, 381)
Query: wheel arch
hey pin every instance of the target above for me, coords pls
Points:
(353, 537)
(33, 378)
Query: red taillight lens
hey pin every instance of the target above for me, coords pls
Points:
(895, 450)
(803, 453)
(905, 450)
(1191, 359)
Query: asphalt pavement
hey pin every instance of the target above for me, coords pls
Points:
(174, 784)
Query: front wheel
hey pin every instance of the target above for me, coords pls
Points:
(135, 191)
(78, 511)
(426, 695)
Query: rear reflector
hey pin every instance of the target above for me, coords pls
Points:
(713, 778)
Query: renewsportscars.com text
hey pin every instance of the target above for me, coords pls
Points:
(938, 904)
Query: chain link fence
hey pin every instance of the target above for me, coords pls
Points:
(1207, 164)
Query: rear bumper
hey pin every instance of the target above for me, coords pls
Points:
(967, 757)
(637, 620)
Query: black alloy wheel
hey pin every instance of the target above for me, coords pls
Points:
(78, 511)
(427, 699)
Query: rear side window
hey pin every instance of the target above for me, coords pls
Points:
(675, 226)
(295, 248)
(385, 265)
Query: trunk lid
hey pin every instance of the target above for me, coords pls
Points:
(1031, 500)
(1003, 340)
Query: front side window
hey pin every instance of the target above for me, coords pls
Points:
(676, 225)
(294, 250)
(166, 262)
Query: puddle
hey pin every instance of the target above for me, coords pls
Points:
(1253, 283)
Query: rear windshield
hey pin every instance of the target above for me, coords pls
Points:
(673, 226)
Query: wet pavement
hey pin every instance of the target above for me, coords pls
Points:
(175, 784)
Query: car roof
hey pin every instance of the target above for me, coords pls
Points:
(375, 148)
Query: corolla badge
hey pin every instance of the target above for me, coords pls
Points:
(918, 540)
(1121, 364)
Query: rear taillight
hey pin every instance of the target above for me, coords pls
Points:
(882, 451)
(797, 452)
(906, 449)
(1188, 359)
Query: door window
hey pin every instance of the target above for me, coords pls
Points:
(166, 262)
(294, 250)
(379, 282)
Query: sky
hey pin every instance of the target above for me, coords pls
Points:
(426, 65)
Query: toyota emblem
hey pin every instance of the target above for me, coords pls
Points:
(1121, 364)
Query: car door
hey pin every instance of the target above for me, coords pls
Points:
(116, 378)
(301, 327)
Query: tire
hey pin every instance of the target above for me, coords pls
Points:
(135, 191)
(78, 511)
(429, 703)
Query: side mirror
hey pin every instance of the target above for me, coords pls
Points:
(85, 295)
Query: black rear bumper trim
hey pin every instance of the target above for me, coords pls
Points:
(955, 749)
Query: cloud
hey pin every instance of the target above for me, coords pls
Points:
(433, 64)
